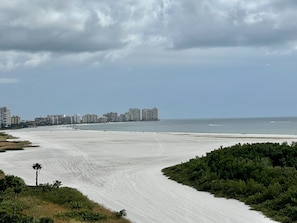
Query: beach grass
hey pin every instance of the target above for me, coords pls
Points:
(59, 204)
(8, 142)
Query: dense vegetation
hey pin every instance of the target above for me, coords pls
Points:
(49, 203)
(263, 175)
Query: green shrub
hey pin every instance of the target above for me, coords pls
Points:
(6, 217)
(46, 220)
(262, 175)
(67, 197)
(84, 216)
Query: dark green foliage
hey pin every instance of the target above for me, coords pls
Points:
(263, 175)
(84, 216)
(65, 196)
(6, 217)
(12, 186)
(46, 220)
(11, 182)
(10, 208)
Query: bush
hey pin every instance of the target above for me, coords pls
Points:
(46, 220)
(262, 174)
(67, 197)
(84, 216)
(6, 217)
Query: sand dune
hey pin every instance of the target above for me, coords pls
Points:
(122, 170)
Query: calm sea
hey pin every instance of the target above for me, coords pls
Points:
(239, 125)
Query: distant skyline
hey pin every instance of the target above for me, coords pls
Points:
(190, 59)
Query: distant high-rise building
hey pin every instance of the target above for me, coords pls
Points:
(134, 114)
(76, 119)
(127, 116)
(5, 117)
(15, 120)
(90, 118)
(112, 117)
(52, 119)
(150, 114)
(65, 120)
(122, 118)
(102, 119)
(41, 120)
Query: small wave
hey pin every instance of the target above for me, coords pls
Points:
(214, 125)
(275, 122)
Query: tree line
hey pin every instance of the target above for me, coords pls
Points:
(262, 175)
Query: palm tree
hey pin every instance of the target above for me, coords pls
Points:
(37, 167)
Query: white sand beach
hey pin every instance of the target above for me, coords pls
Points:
(122, 170)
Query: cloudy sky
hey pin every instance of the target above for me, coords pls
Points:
(190, 59)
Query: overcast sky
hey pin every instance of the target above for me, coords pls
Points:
(189, 58)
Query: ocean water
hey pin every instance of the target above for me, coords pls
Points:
(283, 125)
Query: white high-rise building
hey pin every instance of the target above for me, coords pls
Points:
(134, 114)
(15, 120)
(150, 114)
(52, 119)
(90, 118)
(76, 119)
(112, 117)
(5, 117)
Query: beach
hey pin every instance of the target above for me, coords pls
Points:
(122, 170)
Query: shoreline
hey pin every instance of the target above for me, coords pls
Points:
(274, 126)
(202, 134)
(122, 170)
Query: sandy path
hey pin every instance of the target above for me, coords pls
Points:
(122, 170)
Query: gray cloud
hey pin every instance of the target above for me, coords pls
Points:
(207, 24)
(57, 27)
(113, 29)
